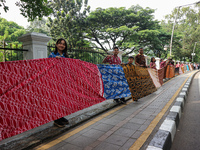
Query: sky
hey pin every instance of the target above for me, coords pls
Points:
(163, 7)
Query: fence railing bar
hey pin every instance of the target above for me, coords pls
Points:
(14, 49)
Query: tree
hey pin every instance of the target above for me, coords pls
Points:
(186, 33)
(125, 28)
(39, 26)
(30, 8)
(9, 33)
(68, 21)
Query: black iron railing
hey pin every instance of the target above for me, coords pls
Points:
(11, 52)
(84, 54)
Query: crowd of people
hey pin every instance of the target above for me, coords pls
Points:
(61, 51)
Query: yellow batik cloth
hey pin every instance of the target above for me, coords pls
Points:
(139, 81)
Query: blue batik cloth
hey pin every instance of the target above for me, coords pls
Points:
(115, 83)
(187, 67)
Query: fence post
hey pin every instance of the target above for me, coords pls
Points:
(36, 43)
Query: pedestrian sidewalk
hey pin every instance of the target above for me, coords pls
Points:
(107, 125)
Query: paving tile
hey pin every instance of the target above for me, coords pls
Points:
(126, 113)
(133, 126)
(82, 141)
(107, 146)
(103, 127)
(142, 116)
(149, 109)
(137, 134)
(143, 127)
(147, 122)
(69, 147)
(57, 146)
(111, 121)
(93, 133)
(152, 117)
(89, 128)
(72, 137)
(117, 139)
(128, 144)
(124, 132)
(138, 121)
(118, 117)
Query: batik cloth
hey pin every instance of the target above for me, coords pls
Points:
(139, 81)
(115, 83)
(113, 60)
(176, 71)
(170, 71)
(35, 92)
(180, 70)
(154, 76)
(161, 75)
(188, 69)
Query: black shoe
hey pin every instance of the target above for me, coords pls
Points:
(65, 121)
(116, 100)
(59, 123)
(123, 101)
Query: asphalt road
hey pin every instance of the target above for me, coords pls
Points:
(188, 132)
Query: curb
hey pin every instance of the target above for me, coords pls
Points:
(164, 137)
(36, 136)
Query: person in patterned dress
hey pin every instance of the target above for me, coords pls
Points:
(113, 59)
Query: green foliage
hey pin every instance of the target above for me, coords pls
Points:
(34, 8)
(31, 9)
(68, 21)
(39, 26)
(125, 28)
(186, 33)
(9, 32)
(2, 4)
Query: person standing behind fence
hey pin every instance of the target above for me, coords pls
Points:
(162, 63)
(130, 60)
(140, 59)
(153, 63)
(60, 51)
(114, 60)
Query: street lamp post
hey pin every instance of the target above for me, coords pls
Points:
(193, 54)
(175, 23)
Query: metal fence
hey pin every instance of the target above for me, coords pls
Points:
(84, 54)
(8, 53)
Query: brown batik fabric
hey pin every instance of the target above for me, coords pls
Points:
(139, 81)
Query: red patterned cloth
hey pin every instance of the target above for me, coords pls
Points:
(113, 60)
(35, 92)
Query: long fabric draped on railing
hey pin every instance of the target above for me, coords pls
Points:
(115, 83)
(139, 80)
(35, 92)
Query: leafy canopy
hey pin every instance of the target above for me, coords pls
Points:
(30, 8)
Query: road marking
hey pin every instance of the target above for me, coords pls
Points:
(141, 140)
